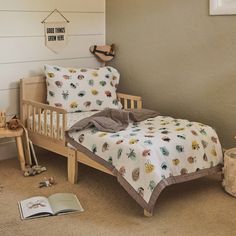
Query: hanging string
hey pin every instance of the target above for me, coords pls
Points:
(55, 10)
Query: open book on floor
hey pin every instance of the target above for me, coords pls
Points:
(56, 204)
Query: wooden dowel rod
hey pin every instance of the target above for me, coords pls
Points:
(28, 116)
(45, 123)
(51, 123)
(132, 104)
(34, 121)
(125, 103)
(39, 120)
(58, 126)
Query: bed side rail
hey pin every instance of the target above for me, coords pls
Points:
(49, 121)
(45, 120)
(130, 101)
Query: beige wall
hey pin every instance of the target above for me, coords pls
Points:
(180, 59)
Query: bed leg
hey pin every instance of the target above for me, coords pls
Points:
(147, 213)
(72, 166)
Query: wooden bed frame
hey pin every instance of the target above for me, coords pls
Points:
(33, 94)
(51, 136)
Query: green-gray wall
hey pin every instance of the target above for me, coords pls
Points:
(178, 58)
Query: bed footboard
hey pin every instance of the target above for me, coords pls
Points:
(54, 119)
(45, 125)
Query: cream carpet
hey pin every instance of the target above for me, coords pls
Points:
(199, 207)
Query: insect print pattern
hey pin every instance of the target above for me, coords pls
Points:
(66, 77)
(120, 150)
(102, 83)
(71, 70)
(91, 82)
(131, 154)
(74, 104)
(72, 85)
(59, 84)
(149, 167)
(81, 93)
(87, 104)
(65, 95)
(80, 77)
(152, 185)
(144, 161)
(164, 151)
(56, 68)
(110, 160)
(99, 102)
(98, 85)
(135, 174)
(164, 166)
(94, 148)
(52, 94)
(94, 92)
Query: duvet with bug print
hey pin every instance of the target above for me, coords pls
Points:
(154, 153)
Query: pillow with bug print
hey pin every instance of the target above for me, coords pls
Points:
(82, 89)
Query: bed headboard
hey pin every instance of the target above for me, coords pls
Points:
(33, 88)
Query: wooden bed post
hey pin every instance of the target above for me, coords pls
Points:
(147, 214)
(72, 166)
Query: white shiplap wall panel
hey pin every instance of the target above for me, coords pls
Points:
(9, 101)
(8, 150)
(23, 53)
(29, 23)
(10, 78)
(33, 48)
(47, 5)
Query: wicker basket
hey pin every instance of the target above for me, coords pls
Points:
(229, 170)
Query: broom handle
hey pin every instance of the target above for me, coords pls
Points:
(33, 152)
(27, 144)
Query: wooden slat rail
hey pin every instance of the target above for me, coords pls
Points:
(130, 101)
(54, 119)
(34, 110)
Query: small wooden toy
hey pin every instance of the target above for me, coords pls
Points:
(47, 182)
(104, 53)
(34, 170)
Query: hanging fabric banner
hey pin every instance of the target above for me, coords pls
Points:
(55, 35)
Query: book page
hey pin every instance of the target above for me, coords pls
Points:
(64, 202)
(34, 206)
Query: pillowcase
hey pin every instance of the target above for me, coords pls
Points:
(82, 89)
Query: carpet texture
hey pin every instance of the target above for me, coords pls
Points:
(199, 207)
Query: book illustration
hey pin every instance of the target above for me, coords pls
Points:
(56, 204)
(37, 204)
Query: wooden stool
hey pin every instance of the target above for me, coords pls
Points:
(17, 134)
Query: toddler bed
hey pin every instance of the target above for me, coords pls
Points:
(146, 157)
